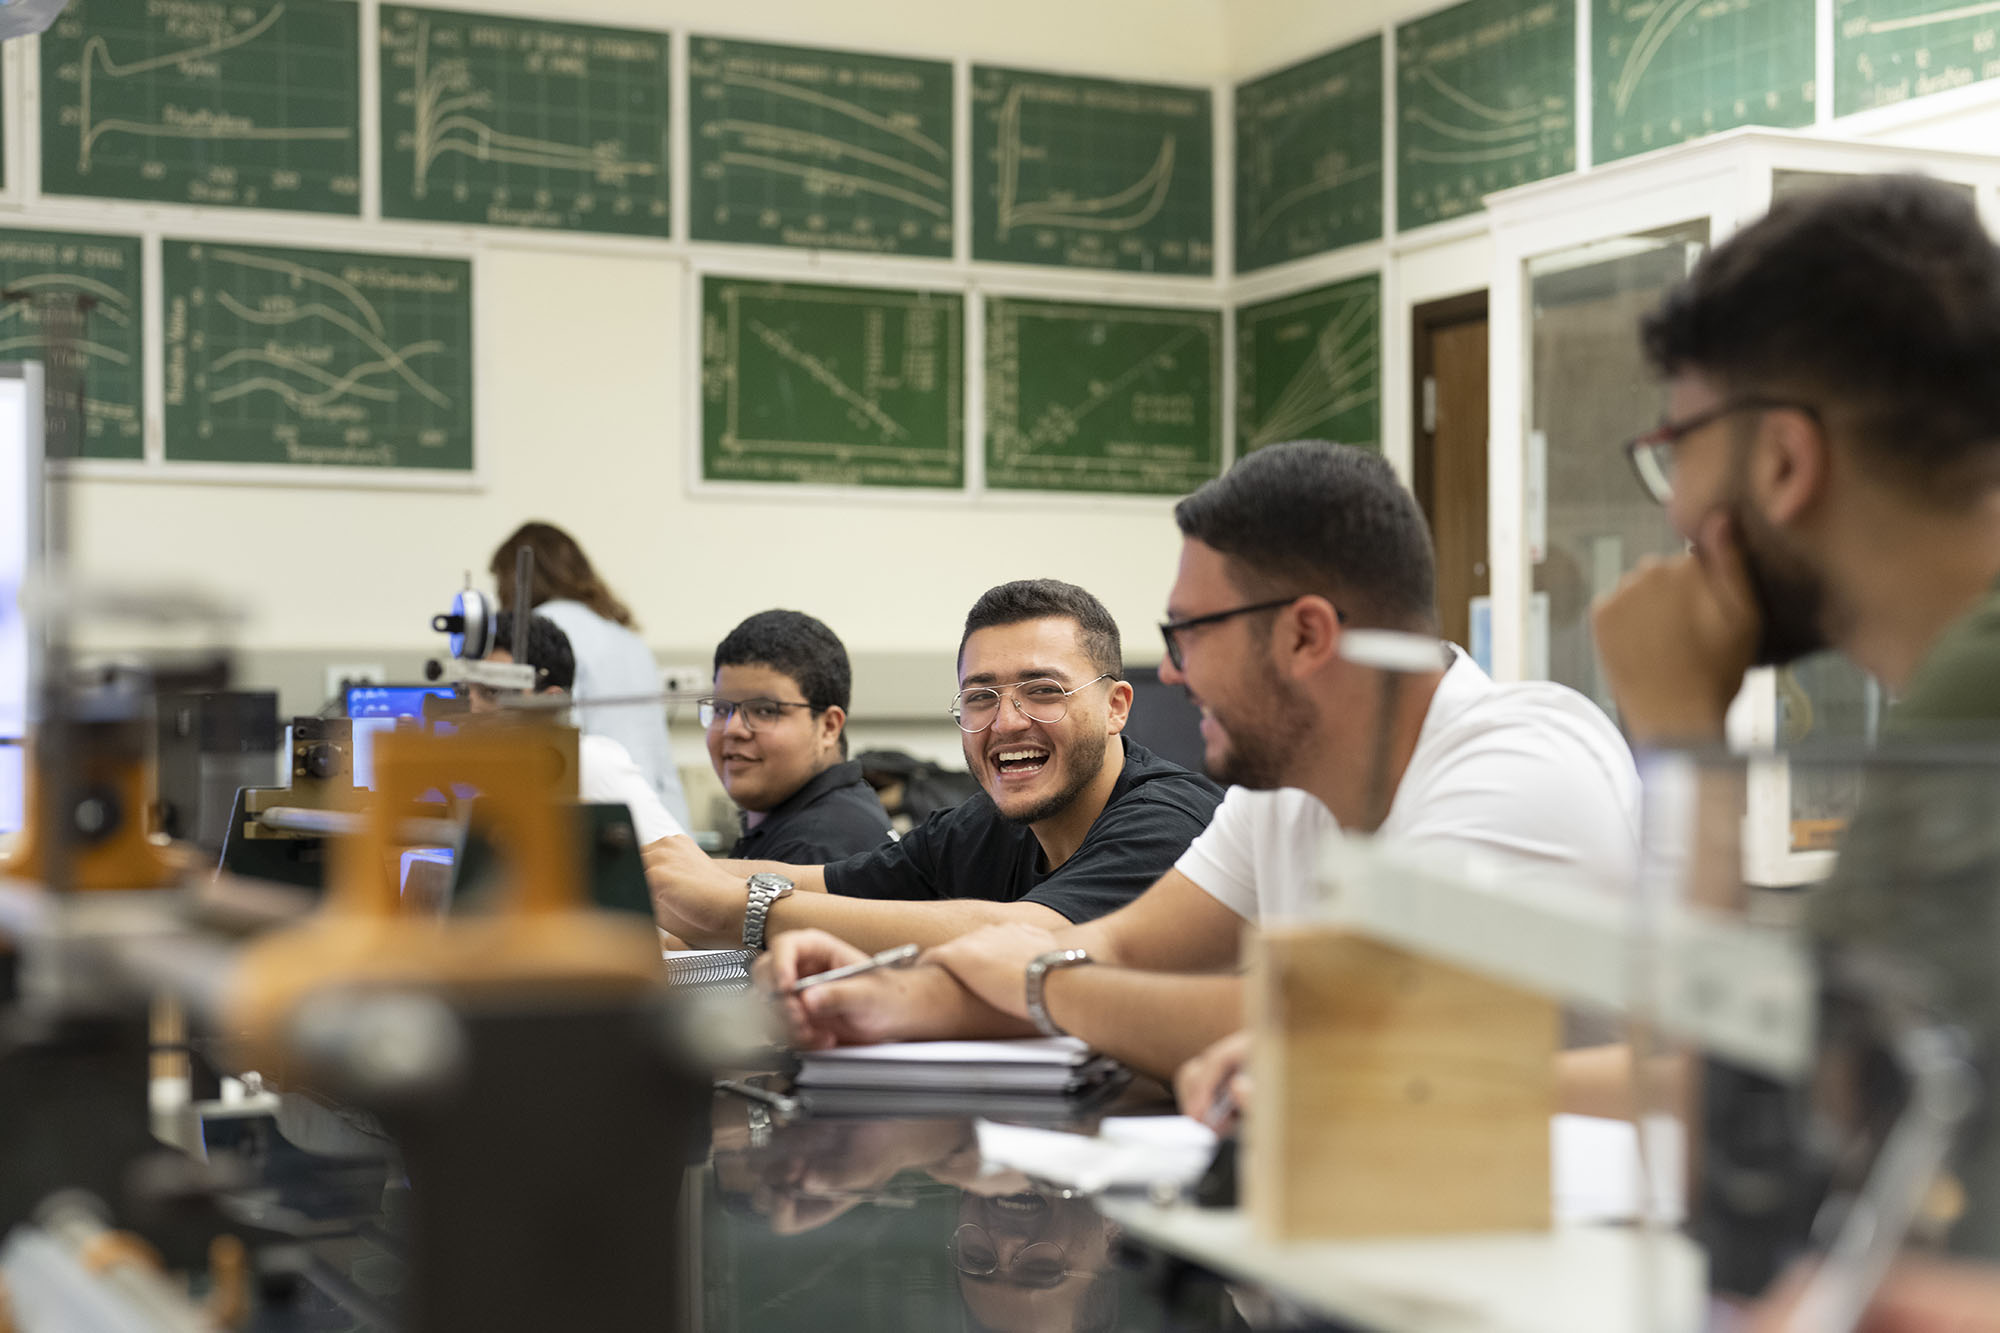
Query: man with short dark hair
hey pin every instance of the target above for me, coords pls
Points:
(1832, 453)
(777, 735)
(605, 773)
(1072, 820)
(1296, 547)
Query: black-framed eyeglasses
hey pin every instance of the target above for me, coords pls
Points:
(1169, 629)
(1652, 452)
(1040, 700)
(1042, 1265)
(757, 713)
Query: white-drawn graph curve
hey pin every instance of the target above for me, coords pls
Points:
(1060, 421)
(1498, 135)
(1652, 35)
(1292, 198)
(1143, 199)
(199, 125)
(839, 107)
(1324, 384)
(776, 340)
(1879, 26)
(445, 124)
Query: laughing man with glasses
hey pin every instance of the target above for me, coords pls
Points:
(1072, 820)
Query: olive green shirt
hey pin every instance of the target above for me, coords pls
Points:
(1918, 881)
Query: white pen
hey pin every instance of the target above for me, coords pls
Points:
(900, 956)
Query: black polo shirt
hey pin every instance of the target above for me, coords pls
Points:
(970, 851)
(832, 817)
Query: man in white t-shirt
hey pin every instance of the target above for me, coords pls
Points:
(606, 773)
(1282, 556)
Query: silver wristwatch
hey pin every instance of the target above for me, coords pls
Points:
(1037, 977)
(765, 889)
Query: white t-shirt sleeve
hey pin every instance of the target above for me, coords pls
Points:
(606, 775)
(1259, 855)
(1536, 790)
(1222, 859)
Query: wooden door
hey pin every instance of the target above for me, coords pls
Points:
(1450, 457)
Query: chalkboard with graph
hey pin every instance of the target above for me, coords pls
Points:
(520, 123)
(839, 386)
(826, 149)
(1091, 173)
(1309, 366)
(1102, 398)
(1889, 51)
(316, 357)
(254, 105)
(1486, 95)
(100, 274)
(1309, 157)
(1666, 71)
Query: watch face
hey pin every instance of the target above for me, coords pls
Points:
(770, 883)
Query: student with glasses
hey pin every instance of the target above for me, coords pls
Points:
(777, 734)
(1072, 819)
(1832, 456)
(1282, 557)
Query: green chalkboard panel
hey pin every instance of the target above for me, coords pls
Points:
(1309, 157)
(110, 353)
(1309, 367)
(1102, 398)
(841, 386)
(828, 149)
(1666, 71)
(317, 357)
(256, 104)
(1091, 173)
(1486, 98)
(523, 124)
(1888, 51)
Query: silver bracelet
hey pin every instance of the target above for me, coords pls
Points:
(1036, 977)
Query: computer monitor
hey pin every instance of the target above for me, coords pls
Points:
(374, 709)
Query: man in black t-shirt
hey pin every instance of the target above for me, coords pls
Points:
(776, 731)
(1071, 821)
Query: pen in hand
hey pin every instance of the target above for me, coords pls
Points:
(900, 956)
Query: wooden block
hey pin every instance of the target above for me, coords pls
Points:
(1395, 1095)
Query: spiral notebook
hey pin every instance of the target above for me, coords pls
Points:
(709, 969)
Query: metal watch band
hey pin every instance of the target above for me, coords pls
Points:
(1036, 977)
(764, 890)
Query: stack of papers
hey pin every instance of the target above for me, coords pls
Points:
(1053, 1065)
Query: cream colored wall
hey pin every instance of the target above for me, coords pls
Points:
(584, 375)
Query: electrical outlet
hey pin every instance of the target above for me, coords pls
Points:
(339, 674)
(684, 681)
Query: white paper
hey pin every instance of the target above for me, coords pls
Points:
(1127, 1151)
(1059, 1051)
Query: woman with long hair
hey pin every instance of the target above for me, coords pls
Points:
(612, 661)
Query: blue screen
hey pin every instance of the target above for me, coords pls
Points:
(392, 700)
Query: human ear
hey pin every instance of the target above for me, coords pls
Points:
(1306, 636)
(1118, 707)
(1788, 464)
(829, 722)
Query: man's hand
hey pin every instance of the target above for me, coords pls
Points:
(1200, 1083)
(1676, 637)
(693, 897)
(992, 963)
(791, 956)
(891, 1004)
